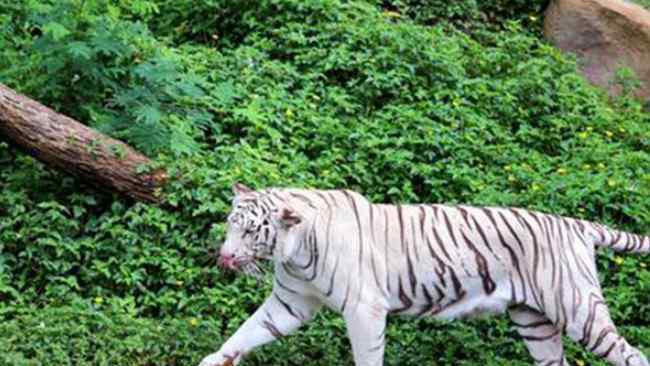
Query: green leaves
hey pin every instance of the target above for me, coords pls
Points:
(644, 3)
(116, 70)
(55, 30)
(323, 94)
(80, 50)
(148, 114)
(143, 8)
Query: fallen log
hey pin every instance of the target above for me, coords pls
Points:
(68, 145)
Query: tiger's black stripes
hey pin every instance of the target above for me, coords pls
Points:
(406, 301)
(414, 241)
(285, 287)
(488, 284)
(288, 307)
(271, 327)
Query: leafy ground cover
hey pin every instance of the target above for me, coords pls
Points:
(645, 3)
(448, 102)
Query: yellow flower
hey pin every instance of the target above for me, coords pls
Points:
(609, 134)
(586, 166)
(643, 265)
(621, 130)
(289, 113)
(618, 260)
(583, 135)
(611, 183)
(98, 300)
(561, 171)
(507, 168)
(601, 166)
(194, 322)
(580, 363)
(535, 187)
(179, 283)
(590, 128)
(392, 14)
(511, 178)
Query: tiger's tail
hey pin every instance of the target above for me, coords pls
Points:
(619, 241)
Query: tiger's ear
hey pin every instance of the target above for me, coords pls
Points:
(286, 219)
(239, 189)
(289, 218)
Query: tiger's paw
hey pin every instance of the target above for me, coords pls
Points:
(220, 359)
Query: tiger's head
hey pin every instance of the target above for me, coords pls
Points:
(259, 228)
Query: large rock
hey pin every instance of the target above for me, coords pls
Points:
(605, 35)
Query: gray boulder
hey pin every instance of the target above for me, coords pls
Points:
(605, 35)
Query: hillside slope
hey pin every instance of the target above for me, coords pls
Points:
(451, 103)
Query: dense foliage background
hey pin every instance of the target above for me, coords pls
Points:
(405, 101)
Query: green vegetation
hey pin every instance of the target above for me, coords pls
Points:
(644, 3)
(448, 102)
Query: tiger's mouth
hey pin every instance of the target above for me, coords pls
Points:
(234, 263)
(245, 264)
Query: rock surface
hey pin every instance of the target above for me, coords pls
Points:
(605, 35)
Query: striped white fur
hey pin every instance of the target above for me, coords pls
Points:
(366, 261)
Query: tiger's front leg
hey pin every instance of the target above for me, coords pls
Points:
(282, 313)
(366, 327)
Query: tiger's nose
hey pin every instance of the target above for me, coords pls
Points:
(226, 260)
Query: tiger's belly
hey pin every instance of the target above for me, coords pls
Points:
(470, 300)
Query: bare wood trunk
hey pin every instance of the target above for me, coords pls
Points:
(66, 144)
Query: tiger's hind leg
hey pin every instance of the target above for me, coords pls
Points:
(593, 328)
(542, 338)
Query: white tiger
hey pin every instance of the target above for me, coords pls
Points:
(367, 261)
